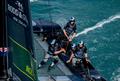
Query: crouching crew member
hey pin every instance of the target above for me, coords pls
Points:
(53, 50)
(78, 55)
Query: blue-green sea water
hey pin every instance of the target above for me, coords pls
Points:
(98, 24)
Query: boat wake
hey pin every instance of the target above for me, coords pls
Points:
(116, 75)
(33, 0)
(100, 24)
(116, 78)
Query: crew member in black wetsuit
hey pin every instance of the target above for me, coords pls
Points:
(53, 50)
(59, 50)
(70, 29)
(73, 48)
(79, 54)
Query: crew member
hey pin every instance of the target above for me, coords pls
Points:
(53, 50)
(70, 29)
(79, 54)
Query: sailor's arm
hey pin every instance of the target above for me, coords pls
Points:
(65, 33)
(71, 57)
(86, 54)
(59, 51)
(74, 34)
(86, 57)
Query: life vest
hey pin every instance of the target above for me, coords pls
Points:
(52, 49)
(80, 53)
(69, 30)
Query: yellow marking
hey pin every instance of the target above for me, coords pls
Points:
(29, 70)
(23, 72)
(21, 47)
(18, 44)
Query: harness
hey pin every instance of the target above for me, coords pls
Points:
(52, 49)
(69, 31)
(80, 53)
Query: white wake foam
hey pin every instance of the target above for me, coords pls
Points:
(99, 24)
(33, 0)
(116, 75)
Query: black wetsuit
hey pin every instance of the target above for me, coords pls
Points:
(52, 49)
(69, 31)
(80, 54)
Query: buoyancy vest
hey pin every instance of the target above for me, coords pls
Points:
(52, 49)
(79, 53)
(69, 31)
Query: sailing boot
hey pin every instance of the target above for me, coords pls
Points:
(41, 64)
(51, 66)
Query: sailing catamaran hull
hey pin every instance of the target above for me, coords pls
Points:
(48, 29)
(78, 71)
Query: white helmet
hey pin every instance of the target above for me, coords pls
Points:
(53, 42)
(72, 19)
(81, 43)
(73, 45)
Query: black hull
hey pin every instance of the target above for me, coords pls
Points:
(79, 72)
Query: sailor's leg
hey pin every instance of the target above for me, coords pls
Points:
(55, 61)
(77, 63)
(74, 61)
(86, 69)
(85, 63)
(47, 56)
(44, 37)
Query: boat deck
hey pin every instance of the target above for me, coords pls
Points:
(58, 73)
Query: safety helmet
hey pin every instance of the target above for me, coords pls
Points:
(81, 43)
(72, 19)
(53, 42)
(73, 45)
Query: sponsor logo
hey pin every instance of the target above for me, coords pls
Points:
(18, 13)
